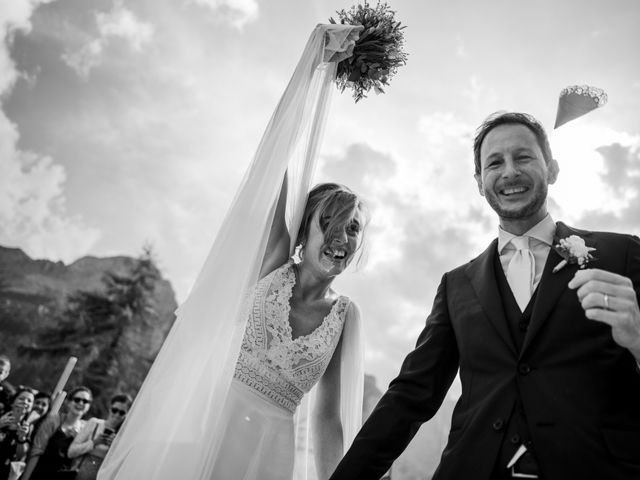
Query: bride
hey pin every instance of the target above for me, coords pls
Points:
(258, 330)
(293, 341)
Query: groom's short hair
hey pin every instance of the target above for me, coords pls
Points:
(503, 118)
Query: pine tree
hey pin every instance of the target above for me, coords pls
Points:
(93, 326)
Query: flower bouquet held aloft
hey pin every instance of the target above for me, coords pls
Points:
(377, 53)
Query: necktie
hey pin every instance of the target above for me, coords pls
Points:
(520, 271)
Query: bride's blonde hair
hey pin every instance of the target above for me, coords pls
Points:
(338, 204)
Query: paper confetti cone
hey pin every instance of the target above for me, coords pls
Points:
(577, 100)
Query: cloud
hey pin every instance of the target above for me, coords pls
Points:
(236, 12)
(440, 128)
(599, 175)
(461, 49)
(14, 17)
(622, 167)
(621, 174)
(479, 94)
(415, 235)
(359, 167)
(32, 205)
(32, 209)
(118, 24)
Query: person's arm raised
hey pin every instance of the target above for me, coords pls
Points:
(40, 442)
(277, 251)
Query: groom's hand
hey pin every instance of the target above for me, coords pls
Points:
(610, 298)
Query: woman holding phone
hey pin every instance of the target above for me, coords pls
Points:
(92, 443)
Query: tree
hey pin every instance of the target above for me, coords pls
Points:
(130, 302)
(93, 326)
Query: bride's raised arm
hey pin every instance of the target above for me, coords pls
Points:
(277, 251)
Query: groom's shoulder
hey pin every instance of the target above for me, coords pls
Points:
(609, 246)
(600, 235)
(481, 258)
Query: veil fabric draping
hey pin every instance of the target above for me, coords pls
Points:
(174, 427)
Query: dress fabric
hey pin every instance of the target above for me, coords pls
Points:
(175, 425)
(272, 374)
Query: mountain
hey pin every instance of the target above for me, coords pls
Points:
(35, 320)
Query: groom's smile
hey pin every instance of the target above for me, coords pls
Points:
(509, 191)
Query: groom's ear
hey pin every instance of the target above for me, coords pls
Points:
(553, 170)
(478, 178)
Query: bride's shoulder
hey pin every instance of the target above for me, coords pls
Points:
(353, 310)
(349, 308)
(284, 268)
(280, 275)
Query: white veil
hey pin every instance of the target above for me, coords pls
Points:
(174, 427)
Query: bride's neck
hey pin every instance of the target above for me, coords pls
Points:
(312, 286)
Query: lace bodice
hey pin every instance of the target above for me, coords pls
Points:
(271, 362)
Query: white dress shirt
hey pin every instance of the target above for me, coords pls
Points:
(540, 241)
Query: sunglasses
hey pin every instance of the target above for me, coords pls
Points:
(81, 400)
(117, 411)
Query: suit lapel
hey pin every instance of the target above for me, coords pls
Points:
(482, 275)
(552, 285)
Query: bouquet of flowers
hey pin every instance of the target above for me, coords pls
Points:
(377, 53)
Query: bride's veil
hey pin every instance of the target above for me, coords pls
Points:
(173, 429)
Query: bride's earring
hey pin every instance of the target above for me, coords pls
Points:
(300, 253)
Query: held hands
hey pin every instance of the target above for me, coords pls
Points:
(610, 298)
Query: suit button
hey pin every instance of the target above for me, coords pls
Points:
(524, 369)
(523, 325)
(498, 424)
(515, 439)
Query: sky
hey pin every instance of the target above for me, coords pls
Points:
(132, 122)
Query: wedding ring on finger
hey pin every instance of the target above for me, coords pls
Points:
(605, 298)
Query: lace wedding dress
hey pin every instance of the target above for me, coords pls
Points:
(273, 372)
(183, 415)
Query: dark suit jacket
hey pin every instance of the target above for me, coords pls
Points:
(580, 390)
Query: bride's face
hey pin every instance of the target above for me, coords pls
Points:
(331, 256)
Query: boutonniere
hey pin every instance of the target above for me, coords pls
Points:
(573, 250)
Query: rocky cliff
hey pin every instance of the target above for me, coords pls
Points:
(33, 296)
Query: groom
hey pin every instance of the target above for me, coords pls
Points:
(548, 361)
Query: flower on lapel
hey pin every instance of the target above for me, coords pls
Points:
(573, 250)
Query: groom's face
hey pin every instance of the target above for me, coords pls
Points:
(514, 174)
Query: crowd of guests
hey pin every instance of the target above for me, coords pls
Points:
(39, 444)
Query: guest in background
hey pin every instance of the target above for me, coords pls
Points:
(15, 432)
(92, 443)
(48, 459)
(42, 403)
(7, 391)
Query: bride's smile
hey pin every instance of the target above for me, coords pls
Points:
(332, 256)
